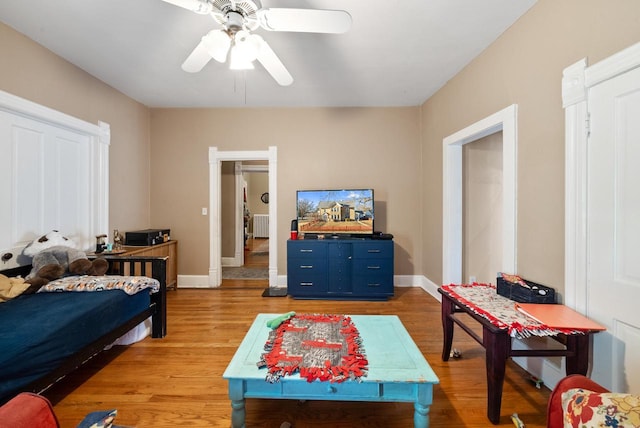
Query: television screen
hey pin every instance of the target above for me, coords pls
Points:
(335, 212)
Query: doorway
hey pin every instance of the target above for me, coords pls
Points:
(452, 220)
(245, 221)
(215, 168)
(253, 192)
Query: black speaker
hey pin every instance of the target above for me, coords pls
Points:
(382, 236)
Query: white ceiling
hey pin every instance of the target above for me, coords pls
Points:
(396, 54)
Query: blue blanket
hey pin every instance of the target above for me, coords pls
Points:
(38, 331)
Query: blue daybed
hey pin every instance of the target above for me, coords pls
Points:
(46, 335)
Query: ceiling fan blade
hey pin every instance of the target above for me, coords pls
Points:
(305, 20)
(197, 59)
(197, 6)
(272, 63)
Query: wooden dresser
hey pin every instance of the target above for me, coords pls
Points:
(168, 249)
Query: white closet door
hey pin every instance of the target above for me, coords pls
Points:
(53, 175)
(613, 229)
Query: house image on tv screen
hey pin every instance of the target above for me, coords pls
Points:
(335, 211)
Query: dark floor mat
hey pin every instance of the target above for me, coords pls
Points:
(275, 292)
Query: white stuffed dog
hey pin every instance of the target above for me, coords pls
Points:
(54, 255)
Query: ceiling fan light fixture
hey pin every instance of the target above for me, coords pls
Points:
(238, 61)
(217, 43)
(244, 51)
(238, 64)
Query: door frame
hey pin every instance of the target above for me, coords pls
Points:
(576, 81)
(216, 158)
(506, 121)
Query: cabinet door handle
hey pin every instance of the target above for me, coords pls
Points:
(374, 284)
(306, 284)
(306, 251)
(375, 250)
(306, 267)
(373, 267)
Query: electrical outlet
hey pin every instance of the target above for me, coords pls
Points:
(204, 211)
(472, 279)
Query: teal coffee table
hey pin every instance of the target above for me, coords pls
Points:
(397, 371)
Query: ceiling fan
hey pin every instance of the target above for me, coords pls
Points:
(239, 18)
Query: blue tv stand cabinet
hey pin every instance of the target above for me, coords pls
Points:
(358, 269)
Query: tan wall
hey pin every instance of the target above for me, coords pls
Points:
(32, 72)
(317, 148)
(258, 183)
(524, 66)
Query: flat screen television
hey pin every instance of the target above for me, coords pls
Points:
(344, 212)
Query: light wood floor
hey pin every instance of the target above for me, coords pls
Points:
(177, 381)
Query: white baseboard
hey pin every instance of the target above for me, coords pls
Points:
(420, 281)
(230, 261)
(193, 281)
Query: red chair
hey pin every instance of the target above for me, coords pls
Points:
(554, 408)
(28, 410)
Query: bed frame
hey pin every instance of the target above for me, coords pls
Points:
(154, 267)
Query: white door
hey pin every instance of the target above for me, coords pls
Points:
(45, 171)
(613, 229)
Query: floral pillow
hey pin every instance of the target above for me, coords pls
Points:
(586, 409)
(129, 284)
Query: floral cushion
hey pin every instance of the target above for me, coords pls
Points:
(586, 409)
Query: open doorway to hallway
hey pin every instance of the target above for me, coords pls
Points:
(216, 160)
(503, 122)
(245, 220)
